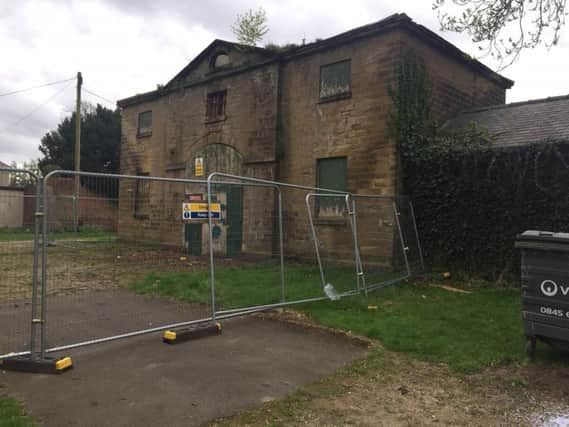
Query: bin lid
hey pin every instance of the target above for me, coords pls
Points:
(544, 240)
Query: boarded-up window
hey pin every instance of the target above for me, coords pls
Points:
(145, 123)
(331, 175)
(216, 105)
(142, 197)
(335, 79)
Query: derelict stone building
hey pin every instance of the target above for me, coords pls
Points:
(314, 115)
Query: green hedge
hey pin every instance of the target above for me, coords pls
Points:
(471, 202)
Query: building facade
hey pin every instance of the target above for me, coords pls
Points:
(314, 115)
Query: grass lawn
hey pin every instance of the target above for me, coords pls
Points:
(466, 331)
(245, 285)
(27, 233)
(11, 414)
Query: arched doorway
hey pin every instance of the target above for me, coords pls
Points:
(228, 232)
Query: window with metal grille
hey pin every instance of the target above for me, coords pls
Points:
(142, 197)
(331, 175)
(216, 106)
(144, 123)
(336, 80)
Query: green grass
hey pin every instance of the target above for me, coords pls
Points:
(466, 331)
(11, 414)
(27, 233)
(242, 286)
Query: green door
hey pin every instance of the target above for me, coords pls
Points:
(234, 220)
(193, 238)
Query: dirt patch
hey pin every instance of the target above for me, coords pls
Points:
(145, 382)
(86, 265)
(392, 389)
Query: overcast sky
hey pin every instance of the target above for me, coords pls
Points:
(124, 47)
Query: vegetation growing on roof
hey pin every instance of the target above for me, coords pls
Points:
(251, 27)
(284, 48)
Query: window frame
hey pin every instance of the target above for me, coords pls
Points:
(336, 96)
(213, 61)
(340, 202)
(217, 117)
(146, 132)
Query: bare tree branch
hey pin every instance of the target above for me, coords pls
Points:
(503, 28)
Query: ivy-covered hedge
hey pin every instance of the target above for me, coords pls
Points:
(471, 200)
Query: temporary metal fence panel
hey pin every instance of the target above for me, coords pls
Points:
(332, 234)
(257, 247)
(384, 236)
(20, 317)
(339, 244)
(117, 248)
(410, 235)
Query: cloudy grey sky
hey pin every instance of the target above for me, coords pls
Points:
(124, 47)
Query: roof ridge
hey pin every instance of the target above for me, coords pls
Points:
(516, 104)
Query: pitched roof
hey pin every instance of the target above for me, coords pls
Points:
(4, 165)
(519, 123)
(396, 21)
(404, 22)
(217, 43)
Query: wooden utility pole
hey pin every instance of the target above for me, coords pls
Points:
(77, 149)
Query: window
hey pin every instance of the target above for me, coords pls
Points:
(220, 60)
(142, 197)
(331, 175)
(335, 80)
(145, 123)
(215, 106)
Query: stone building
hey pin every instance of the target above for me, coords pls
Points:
(314, 115)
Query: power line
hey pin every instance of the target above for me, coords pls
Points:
(99, 96)
(21, 119)
(36, 87)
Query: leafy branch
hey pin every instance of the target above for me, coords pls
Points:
(503, 28)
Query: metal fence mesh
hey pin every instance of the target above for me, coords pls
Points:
(333, 239)
(117, 250)
(17, 222)
(124, 255)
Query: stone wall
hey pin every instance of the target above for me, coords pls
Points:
(456, 86)
(180, 132)
(353, 127)
(279, 127)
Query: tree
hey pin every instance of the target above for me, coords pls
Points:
(100, 142)
(23, 179)
(251, 27)
(503, 28)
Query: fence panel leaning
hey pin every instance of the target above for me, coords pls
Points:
(335, 247)
(20, 211)
(386, 243)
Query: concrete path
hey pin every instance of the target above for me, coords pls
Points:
(143, 382)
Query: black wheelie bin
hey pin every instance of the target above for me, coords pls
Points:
(545, 288)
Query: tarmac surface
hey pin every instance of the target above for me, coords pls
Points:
(143, 382)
